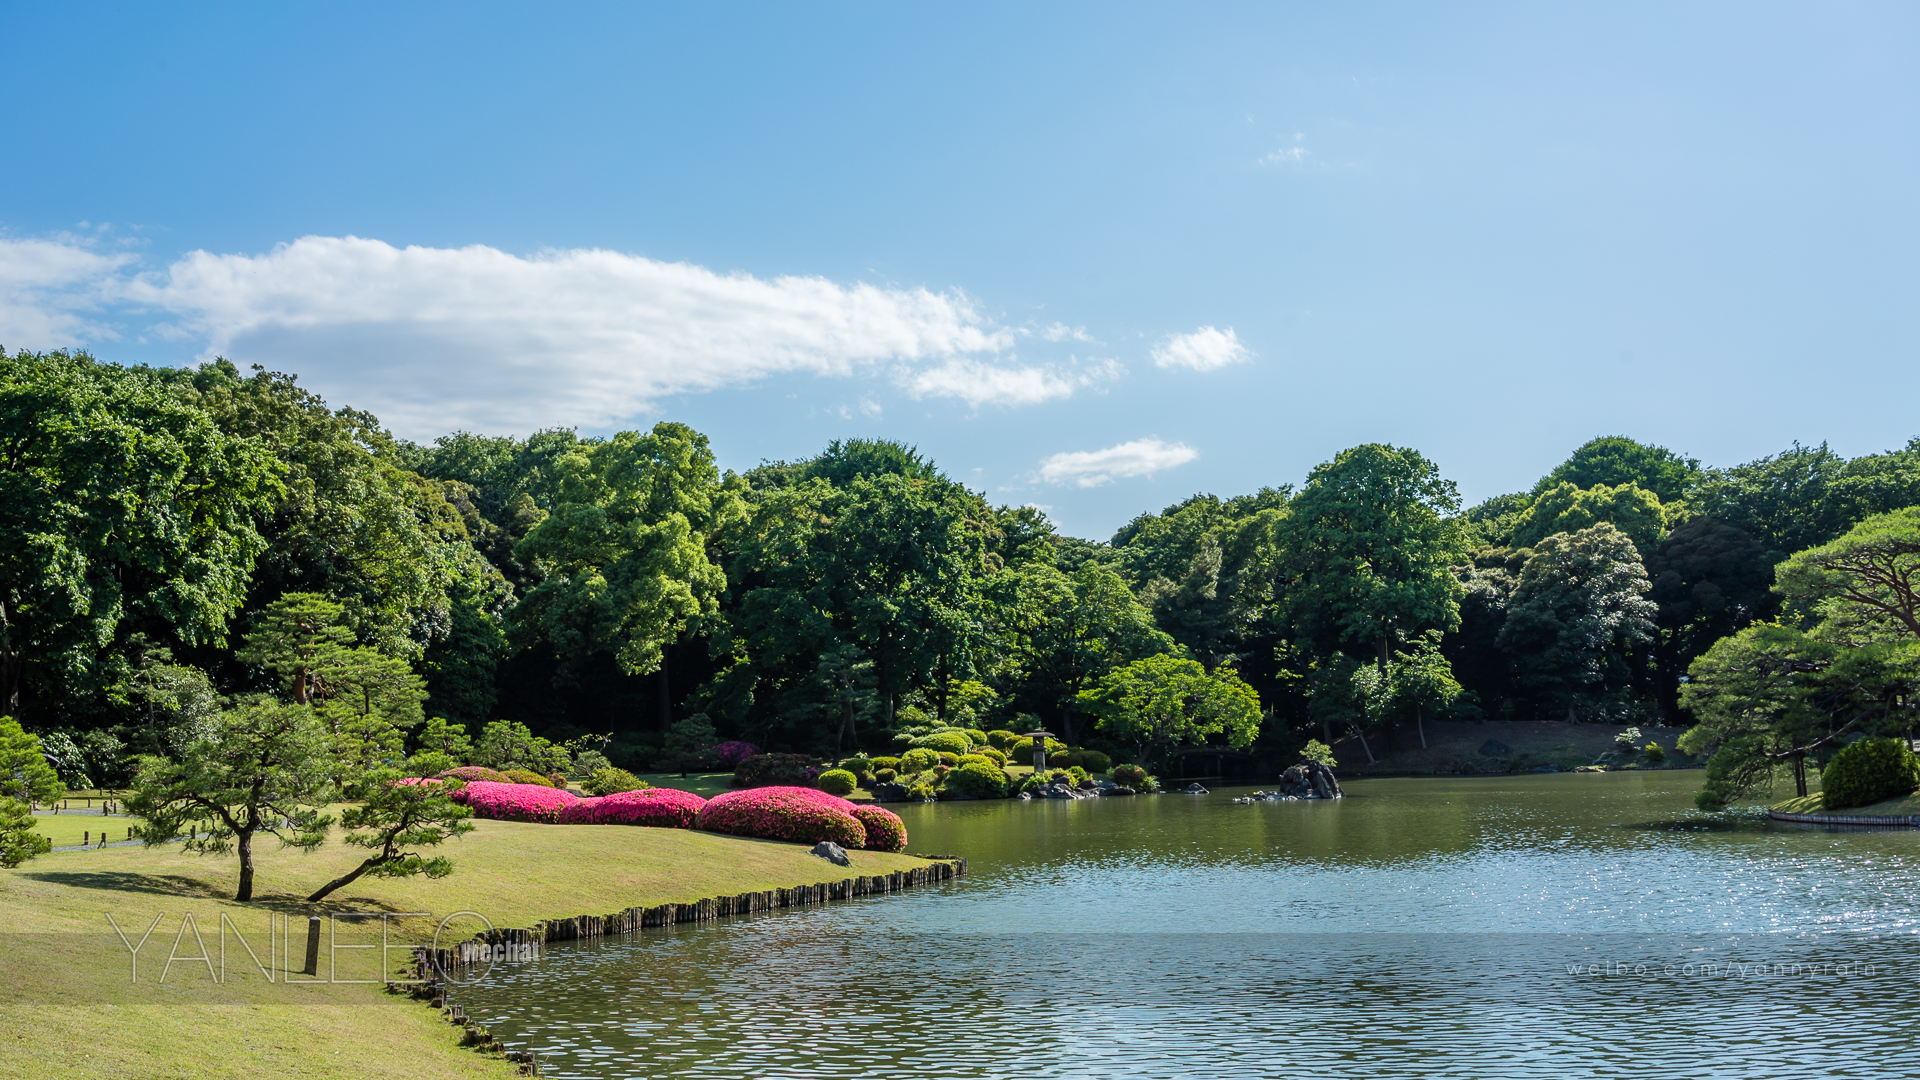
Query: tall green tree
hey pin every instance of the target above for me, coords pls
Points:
(1064, 632)
(1578, 612)
(893, 564)
(25, 780)
(625, 551)
(1564, 508)
(1162, 701)
(1774, 695)
(265, 768)
(117, 503)
(1370, 543)
(1615, 460)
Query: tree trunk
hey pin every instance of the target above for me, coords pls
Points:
(1362, 736)
(246, 866)
(347, 878)
(1420, 722)
(665, 702)
(1800, 775)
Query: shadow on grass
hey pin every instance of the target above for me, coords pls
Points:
(201, 889)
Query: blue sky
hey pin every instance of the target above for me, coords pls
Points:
(1094, 258)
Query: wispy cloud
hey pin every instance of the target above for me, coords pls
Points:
(1091, 468)
(1063, 332)
(437, 338)
(1295, 155)
(978, 383)
(1203, 350)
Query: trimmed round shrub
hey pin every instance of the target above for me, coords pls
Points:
(609, 780)
(974, 759)
(885, 763)
(980, 779)
(1132, 776)
(660, 808)
(803, 815)
(476, 772)
(1065, 759)
(836, 782)
(1000, 739)
(1095, 761)
(949, 760)
(858, 764)
(952, 741)
(1867, 772)
(1022, 749)
(978, 737)
(1077, 774)
(885, 830)
(515, 802)
(768, 770)
(988, 752)
(919, 760)
(920, 792)
(1655, 753)
(528, 776)
(886, 776)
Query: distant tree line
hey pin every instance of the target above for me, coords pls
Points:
(161, 530)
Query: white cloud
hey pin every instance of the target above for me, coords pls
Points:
(1063, 332)
(1203, 350)
(979, 383)
(433, 339)
(1091, 468)
(1295, 155)
(47, 289)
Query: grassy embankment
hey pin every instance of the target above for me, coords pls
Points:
(1905, 806)
(66, 979)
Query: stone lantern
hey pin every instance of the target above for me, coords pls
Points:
(1040, 737)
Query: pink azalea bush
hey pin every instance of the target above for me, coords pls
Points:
(515, 802)
(661, 808)
(730, 754)
(885, 830)
(806, 815)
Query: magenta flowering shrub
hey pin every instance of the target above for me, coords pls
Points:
(806, 815)
(409, 781)
(515, 802)
(731, 754)
(476, 772)
(660, 808)
(885, 830)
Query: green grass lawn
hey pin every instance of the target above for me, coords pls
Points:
(1906, 806)
(65, 829)
(65, 977)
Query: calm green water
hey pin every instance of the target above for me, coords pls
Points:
(1565, 925)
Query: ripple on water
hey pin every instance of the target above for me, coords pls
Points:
(1420, 929)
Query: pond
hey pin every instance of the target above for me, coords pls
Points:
(1551, 926)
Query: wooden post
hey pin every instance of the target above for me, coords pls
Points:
(313, 946)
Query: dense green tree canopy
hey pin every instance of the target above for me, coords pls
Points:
(1163, 701)
(118, 505)
(499, 598)
(1370, 544)
(624, 551)
(1615, 461)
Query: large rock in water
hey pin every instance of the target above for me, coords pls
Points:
(1310, 780)
(889, 793)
